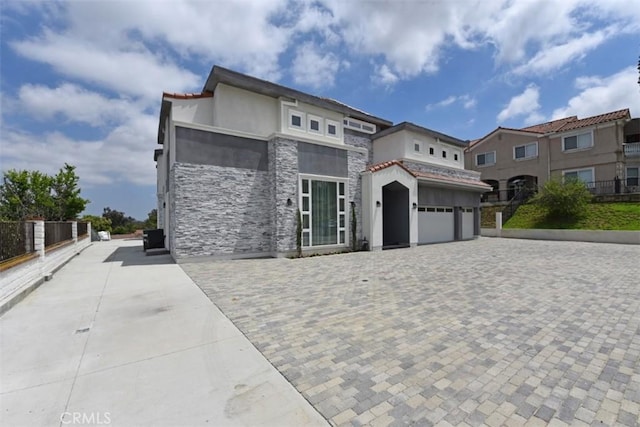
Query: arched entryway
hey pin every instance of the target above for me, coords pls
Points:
(395, 216)
(517, 183)
(494, 194)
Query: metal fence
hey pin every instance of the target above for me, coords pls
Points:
(16, 238)
(56, 232)
(82, 229)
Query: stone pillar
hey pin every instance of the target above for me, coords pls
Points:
(89, 230)
(477, 216)
(499, 222)
(74, 231)
(38, 237)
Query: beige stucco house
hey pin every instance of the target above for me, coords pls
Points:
(603, 151)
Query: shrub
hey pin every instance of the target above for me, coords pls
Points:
(566, 199)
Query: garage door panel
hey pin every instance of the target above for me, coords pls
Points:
(435, 225)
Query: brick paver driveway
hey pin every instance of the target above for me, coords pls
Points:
(492, 331)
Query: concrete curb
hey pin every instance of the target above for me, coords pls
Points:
(594, 236)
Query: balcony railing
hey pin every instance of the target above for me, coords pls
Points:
(632, 149)
(614, 186)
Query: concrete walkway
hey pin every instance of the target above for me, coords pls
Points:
(120, 338)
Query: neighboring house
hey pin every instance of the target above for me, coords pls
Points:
(603, 151)
(239, 159)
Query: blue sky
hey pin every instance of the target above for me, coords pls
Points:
(81, 81)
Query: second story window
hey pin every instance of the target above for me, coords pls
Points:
(576, 142)
(486, 159)
(431, 151)
(525, 151)
(444, 154)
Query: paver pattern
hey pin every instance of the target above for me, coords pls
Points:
(490, 331)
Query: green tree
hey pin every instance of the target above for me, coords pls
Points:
(564, 199)
(25, 194)
(98, 223)
(152, 220)
(67, 203)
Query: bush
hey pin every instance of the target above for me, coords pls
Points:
(566, 199)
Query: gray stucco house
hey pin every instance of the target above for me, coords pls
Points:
(239, 159)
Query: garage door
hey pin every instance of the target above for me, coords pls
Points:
(435, 224)
(467, 223)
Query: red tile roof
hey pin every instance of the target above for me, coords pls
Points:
(595, 120)
(551, 126)
(187, 95)
(380, 166)
(561, 125)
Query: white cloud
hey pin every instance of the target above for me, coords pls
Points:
(603, 94)
(74, 104)
(125, 154)
(524, 104)
(314, 69)
(555, 57)
(466, 100)
(384, 76)
(138, 73)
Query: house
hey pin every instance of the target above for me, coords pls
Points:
(241, 158)
(603, 151)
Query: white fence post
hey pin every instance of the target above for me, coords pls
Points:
(74, 231)
(499, 223)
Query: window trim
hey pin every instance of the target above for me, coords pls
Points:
(358, 125)
(303, 120)
(593, 174)
(525, 151)
(627, 177)
(320, 121)
(484, 154)
(327, 123)
(346, 213)
(571, 150)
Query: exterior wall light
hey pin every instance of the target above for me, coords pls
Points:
(378, 204)
(415, 206)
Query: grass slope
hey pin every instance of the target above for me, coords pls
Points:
(599, 216)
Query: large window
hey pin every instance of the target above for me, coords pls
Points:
(633, 176)
(576, 142)
(323, 212)
(525, 151)
(486, 159)
(584, 175)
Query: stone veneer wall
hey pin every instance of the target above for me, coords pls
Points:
(283, 177)
(447, 172)
(221, 211)
(357, 163)
(172, 210)
(359, 140)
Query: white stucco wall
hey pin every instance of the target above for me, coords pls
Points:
(372, 184)
(245, 111)
(198, 110)
(401, 145)
(321, 114)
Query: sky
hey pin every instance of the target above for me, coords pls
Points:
(81, 82)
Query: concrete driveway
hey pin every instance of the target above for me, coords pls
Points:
(491, 331)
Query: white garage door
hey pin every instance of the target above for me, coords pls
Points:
(467, 223)
(435, 225)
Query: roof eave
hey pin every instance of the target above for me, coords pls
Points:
(253, 84)
(165, 109)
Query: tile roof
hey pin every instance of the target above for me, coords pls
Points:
(595, 120)
(187, 95)
(561, 125)
(380, 166)
(551, 126)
